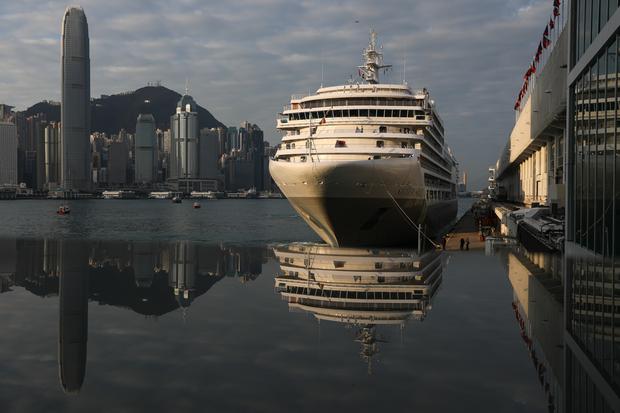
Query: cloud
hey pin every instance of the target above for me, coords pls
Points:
(245, 58)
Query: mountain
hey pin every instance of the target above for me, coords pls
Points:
(111, 113)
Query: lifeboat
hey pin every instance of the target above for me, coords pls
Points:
(196, 205)
(63, 210)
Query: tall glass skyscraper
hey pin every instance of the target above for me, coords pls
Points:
(75, 110)
(146, 149)
(8, 154)
(185, 134)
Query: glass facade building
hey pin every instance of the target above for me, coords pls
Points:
(592, 342)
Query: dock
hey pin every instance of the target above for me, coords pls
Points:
(465, 228)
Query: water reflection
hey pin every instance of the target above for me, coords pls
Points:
(536, 280)
(568, 322)
(358, 287)
(151, 279)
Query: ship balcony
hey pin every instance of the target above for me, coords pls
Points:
(348, 133)
(285, 123)
(339, 149)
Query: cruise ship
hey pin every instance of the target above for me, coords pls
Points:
(366, 163)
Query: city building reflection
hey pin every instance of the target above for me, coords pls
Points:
(151, 279)
(359, 287)
(592, 332)
(536, 280)
(568, 321)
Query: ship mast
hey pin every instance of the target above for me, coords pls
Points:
(373, 61)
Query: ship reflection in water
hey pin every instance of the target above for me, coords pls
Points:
(358, 287)
(148, 278)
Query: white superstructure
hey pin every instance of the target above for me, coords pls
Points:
(364, 164)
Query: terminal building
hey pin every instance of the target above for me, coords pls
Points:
(530, 168)
(593, 209)
(563, 153)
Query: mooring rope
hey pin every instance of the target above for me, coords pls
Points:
(417, 227)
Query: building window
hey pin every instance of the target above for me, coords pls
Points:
(595, 175)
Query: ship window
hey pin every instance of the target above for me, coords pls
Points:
(380, 144)
(341, 144)
(382, 129)
(363, 112)
(373, 112)
(403, 144)
(337, 113)
(338, 264)
(378, 265)
(381, 279)
(403, 113)
(380, 112)
(320, 114)
(388, 113)
(293, 145)
(410, 113)
(303, 158)
(354, 113)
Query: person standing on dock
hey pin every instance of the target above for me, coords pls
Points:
(444, 240)
(462, 243)
(467, 244)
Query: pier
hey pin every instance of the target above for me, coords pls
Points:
(467, 229)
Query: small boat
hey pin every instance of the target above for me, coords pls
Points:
(177, 200)
(196, 205)
(63, 210)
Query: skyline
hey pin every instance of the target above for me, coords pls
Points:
(244, 60)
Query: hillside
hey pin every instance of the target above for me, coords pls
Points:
(112, 113)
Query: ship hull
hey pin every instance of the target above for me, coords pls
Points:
(363, 202)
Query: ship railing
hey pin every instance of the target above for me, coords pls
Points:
(357, 149)
(297, 96)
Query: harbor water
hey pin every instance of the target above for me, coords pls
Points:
(150, 306)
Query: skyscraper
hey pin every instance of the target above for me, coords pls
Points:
(52, 156)
(8, 154)
(184, 156)
(210, 154)
(75, 109)
(146, 149)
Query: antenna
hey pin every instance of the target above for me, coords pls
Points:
(322, 72)
(186, 86)
(404, 69)
(373, 61)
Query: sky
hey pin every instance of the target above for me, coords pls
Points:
(244, 58)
